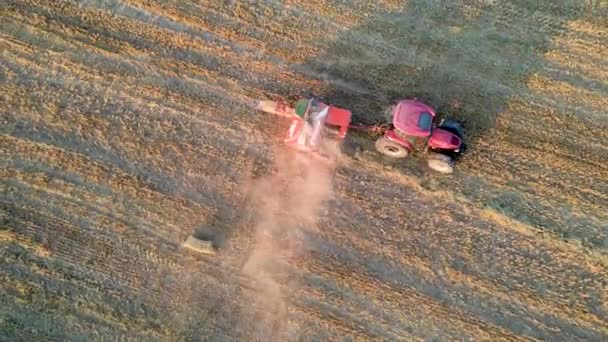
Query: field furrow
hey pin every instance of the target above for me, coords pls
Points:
(128, 125)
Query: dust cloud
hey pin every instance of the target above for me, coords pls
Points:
(286, 203)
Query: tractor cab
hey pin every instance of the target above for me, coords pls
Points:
(413, 123)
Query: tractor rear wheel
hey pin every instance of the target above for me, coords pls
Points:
(440, 163)
(390, 149)
(454, 127)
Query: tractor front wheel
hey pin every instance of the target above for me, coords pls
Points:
(390, 149)
(440, 163)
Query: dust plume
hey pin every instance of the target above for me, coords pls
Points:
(287, 203)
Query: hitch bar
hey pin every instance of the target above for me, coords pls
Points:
(377, 129)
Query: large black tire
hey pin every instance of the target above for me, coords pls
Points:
(391, 149)
(440, 163)
(454, 127)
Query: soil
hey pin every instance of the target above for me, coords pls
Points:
(127, 126)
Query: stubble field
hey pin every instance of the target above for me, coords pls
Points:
(127, 126)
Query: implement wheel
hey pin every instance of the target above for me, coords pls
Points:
(390, 149)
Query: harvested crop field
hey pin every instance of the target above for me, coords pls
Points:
(127, 126)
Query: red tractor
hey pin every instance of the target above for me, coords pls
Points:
(413, 130)
(314, 124)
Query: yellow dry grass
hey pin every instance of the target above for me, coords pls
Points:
(127, 126)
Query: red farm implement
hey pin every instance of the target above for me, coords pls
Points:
(411, 130)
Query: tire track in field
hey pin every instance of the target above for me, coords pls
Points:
(74, 261)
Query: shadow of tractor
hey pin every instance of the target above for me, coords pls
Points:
(464, 60)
